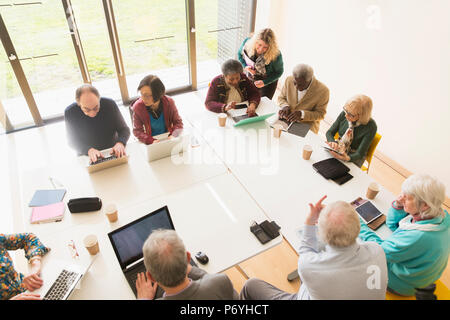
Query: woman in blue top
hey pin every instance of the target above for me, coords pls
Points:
(417, 251)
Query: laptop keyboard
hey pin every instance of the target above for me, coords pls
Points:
(103, 160)
(62, 285)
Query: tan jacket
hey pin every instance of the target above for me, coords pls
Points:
(314, 103)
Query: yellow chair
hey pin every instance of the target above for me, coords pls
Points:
(441, 293)
(370, 152)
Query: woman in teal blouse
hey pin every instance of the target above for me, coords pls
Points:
(262, 61)
(13, 284)
(356, 130)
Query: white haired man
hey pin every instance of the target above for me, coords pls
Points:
(303, 98)
(417, 251)
(167, 264)
(339, 268)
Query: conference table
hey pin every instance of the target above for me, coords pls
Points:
(273, 171)
(227, 179)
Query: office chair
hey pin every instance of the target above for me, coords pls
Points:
(371, 151)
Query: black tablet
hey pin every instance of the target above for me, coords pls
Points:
(368, 212)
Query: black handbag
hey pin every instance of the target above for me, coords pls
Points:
(333, 169)
(84, 204)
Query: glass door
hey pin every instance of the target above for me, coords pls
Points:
(153, 40)
(221, 26)
(41, 38)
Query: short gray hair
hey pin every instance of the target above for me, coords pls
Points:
(339, 224)
(165, 257)
(303, 71)
(426, 189)
(231, 66)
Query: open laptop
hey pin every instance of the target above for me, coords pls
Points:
(106, 162)
(61, 277)
(166, 147)
(240, 116)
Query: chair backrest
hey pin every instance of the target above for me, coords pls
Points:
(131, 106)
(372, 147)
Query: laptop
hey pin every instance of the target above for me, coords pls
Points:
(166, 147)
(60, 277)
(128, 241)
(240, 116)
(109, 160)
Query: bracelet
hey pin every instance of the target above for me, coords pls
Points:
(32, 259)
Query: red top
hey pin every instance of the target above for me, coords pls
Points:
(141, 119)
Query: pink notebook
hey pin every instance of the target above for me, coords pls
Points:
(48, 213)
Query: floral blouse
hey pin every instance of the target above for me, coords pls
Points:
(11, 280)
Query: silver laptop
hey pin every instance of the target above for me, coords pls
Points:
(60, 277)
(106, 162)
(166, 147)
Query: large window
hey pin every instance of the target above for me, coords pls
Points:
(50, 47)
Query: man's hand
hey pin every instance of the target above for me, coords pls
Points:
(144, 286)
(94, 155)
(26, 296)
(295, 116)
(155, 141)
(118, 150)
(314, 212)
(284, 112)
(230, 106)
(251, 110)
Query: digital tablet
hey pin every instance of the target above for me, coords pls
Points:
(329, 149)
(368, 212)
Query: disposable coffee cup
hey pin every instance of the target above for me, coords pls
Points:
(307, 150)
(277, 131)
(222, 119)
(91, 244)
(111, 212)
(372, 190)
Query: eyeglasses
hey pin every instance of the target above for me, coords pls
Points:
(348, 113)
(146, 96)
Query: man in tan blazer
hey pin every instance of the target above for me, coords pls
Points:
(303, 97)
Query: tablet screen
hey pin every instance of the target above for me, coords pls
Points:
(368, 212)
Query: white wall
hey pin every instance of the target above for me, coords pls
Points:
(395, 51)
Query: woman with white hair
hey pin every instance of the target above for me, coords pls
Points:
(262, 61)
(417, 251)
(356, 130)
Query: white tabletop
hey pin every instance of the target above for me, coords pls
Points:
(212, 216)
(123, 185)
(275, 174)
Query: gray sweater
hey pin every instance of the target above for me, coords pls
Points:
(206, 287)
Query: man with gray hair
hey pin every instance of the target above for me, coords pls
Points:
(338, 268)
(303, 98)
(167, 264)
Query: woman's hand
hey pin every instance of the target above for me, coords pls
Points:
(230, 106)
(332, 145)
(250, 70)
(26, 296)
(343, 157)
(33, 281)
(259, 84)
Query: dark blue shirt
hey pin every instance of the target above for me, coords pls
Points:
(100, 132)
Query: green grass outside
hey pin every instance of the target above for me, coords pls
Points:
(42, 29)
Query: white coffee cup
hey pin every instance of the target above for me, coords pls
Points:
(372, 190)
(111, 212)
(91, 244)
(222, 119)
(307, 150)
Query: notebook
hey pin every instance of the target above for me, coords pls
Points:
(45, 197)
(48, 213)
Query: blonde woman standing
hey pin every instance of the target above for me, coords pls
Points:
(262, 61)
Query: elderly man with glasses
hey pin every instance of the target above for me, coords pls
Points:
(94, 123)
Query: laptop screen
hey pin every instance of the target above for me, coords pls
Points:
(128, 240)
